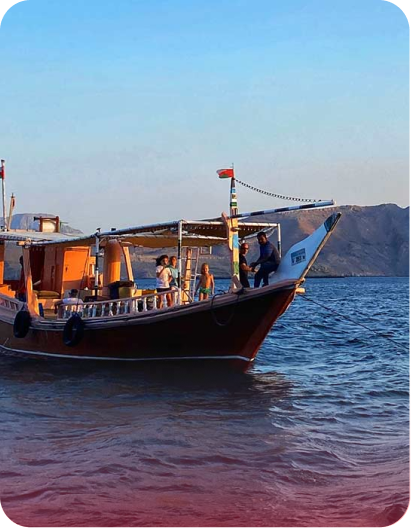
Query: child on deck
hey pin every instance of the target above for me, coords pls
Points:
(205, 283)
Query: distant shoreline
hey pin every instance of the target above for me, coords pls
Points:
(342, 277)
(358, 277)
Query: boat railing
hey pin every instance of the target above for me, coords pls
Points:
(11, 304)
(119, 307)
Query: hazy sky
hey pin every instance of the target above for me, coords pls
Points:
(116, 113)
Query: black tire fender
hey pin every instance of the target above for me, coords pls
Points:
(21, 325)
(73, 331)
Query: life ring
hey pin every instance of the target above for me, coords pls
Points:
(73, 330)
(21, 325)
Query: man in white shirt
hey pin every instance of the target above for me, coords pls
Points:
(71, 300)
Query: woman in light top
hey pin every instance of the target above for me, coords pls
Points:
(174, 272)
(163, 279)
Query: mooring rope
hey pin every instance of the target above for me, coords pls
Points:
(274, 195)
(343, 316)
(230, 318)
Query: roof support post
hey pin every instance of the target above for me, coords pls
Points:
(96, 269)
(31, 298)
(179, 246)
(2, 248)
(3, 191)
(279, 239)
(127, 262)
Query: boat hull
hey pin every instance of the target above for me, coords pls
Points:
(229, 328)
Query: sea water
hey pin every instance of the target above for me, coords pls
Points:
(315, 434)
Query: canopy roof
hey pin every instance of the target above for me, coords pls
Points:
(195, 233)
(24, 236)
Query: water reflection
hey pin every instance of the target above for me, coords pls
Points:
(315, 434)
(153, 381)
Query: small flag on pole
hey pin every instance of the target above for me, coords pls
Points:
(225, 173)
(2, 171)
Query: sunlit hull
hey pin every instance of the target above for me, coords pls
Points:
(228, 329)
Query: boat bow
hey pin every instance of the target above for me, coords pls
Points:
(301, 256)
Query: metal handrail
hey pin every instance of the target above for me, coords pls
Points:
(9, 303)
(119, 307)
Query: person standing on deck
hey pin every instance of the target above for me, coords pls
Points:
(163, 279)
(205, 283)
(174, 272)
(244, 267)
(269, 260)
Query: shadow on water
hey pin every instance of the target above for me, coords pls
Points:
(149, 380)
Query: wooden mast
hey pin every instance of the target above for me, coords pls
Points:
(232, 229)
(235, 255)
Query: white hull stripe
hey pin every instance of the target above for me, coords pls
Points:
(174, 358)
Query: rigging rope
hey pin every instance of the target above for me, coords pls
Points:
(274, 195)
(230, 318)
(379, 334)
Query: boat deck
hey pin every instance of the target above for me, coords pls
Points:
(50, 315)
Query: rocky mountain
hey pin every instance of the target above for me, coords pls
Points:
(368, 241)
(27, 221)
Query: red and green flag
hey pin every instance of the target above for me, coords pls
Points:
(225, 173)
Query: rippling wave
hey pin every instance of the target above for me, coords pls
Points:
(315, 434)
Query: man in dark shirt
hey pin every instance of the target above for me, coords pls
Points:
(269, 260)
(244, 267)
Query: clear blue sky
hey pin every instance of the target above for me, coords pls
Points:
(117, 113)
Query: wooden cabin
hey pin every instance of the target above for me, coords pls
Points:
(55, 263)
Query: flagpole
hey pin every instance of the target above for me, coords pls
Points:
(233, 196)
(231, 223)
(3, 190)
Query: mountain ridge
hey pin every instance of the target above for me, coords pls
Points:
(368, 241)
(26, 221)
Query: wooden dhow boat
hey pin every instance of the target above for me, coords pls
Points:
(114, 321)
